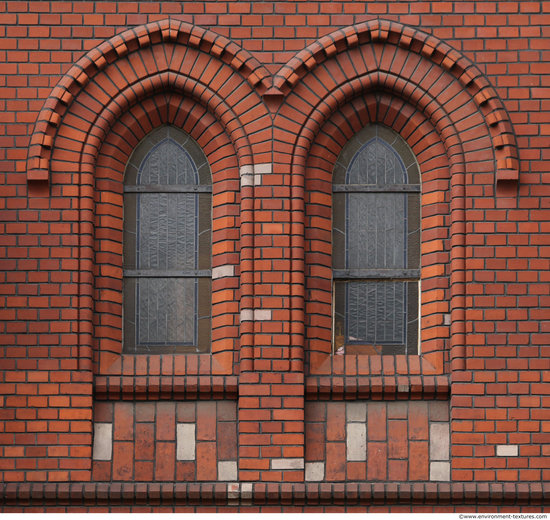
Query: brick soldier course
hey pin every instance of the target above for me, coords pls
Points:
(271, 419)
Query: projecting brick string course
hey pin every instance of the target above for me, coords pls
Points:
(271, 420)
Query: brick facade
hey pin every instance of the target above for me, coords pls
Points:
(271, 420)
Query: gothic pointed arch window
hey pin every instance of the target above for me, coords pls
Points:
(167, 246)
(376, 245)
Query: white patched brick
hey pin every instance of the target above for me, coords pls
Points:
(185, 442)
(439, 441)
(103, 441)
(247, 315)
(233, 490)
(315, 471)
(287, 464)
(247, 169)
(261, 169)
(223, 271)
(357, 441)
(507, 450)
(233, 493)
(357, 412)
(246, 491)
(227, 470)
(262, 315)
(440, 471)
(247, 175)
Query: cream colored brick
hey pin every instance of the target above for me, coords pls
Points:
(260, 169)
(315, 471)
(103, 441)
(287, 464)
(247, 175)
(356, 443)
(440, 471)
(439, 441)
(227, 470)
(507, 450)
(247, 315)
(262, 315)
(185, 442)
(223, 271)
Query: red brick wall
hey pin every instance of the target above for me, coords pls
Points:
(275, 91)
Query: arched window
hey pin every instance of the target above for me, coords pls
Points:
(167, 246)
(376, 245)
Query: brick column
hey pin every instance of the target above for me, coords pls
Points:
(271, 398)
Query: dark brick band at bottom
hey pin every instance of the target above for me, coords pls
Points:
(258, 494)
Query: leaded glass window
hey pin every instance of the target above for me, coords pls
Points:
(376, 245)
(167, 246)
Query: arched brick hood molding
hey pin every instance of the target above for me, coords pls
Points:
(129, 90)
(389, 77)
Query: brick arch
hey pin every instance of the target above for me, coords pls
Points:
(219, 49)
(122, 75)
(383, 33)
(419, 132)
(115, 151)
(447, 89)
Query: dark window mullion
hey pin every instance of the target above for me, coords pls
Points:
(374, 188)
(167, 189)
(376, 274)
(156, 273)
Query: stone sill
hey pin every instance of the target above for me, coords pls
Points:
(299, 494)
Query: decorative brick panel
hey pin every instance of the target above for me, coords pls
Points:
(165, 441)
(377, 440)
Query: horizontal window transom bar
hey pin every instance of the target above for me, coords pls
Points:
(167, 189)
(204, 273)
(374, 188)
(376, 274)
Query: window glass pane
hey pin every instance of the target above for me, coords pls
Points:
(167, 164)
(161, 315)
(205, 231)
(377, 312)
(375, 230)
(376, 317)
(376, 163)
(413, 231)
(166, 311)
(167, 231)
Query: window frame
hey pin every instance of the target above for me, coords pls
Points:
(203, 334)
(344, 276)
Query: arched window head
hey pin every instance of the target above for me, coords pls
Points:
(376, 245)
(167, 246)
